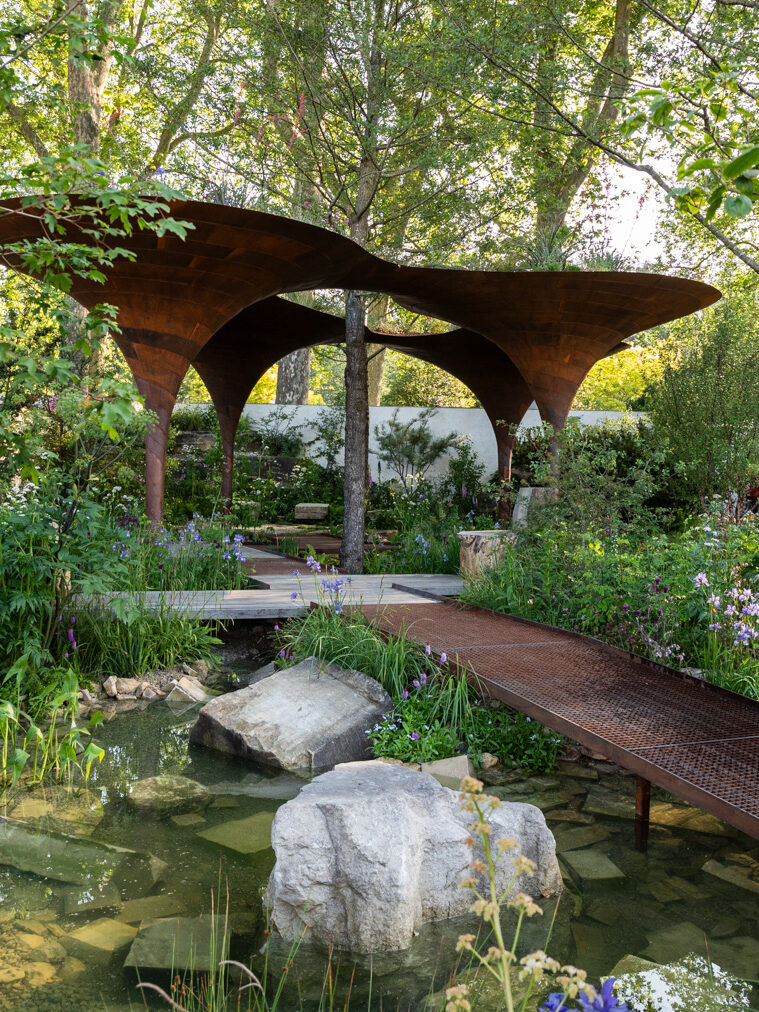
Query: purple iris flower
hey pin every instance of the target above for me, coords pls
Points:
(414, 735)
(405, 693)
(604, 1000)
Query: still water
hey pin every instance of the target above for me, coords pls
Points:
(661, 905)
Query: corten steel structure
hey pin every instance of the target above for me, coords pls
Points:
(547, 328)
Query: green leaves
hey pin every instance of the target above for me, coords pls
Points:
(749, 159)
(738, 206)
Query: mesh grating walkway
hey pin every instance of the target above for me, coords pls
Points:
(693, 739)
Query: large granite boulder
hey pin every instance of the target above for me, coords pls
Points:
(369, 851)
(310, 716)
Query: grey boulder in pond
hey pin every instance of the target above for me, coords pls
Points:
(368, 852)
(310, 716)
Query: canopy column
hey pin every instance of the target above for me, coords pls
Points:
(158, 375)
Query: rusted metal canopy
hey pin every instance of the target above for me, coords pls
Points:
(176, 294)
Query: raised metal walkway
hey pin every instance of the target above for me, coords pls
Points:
(685, 735)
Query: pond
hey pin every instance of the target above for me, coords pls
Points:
(697, 885)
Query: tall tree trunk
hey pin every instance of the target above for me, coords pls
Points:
(293, 377)
(356, 435)
(375, 372)
(376, 317)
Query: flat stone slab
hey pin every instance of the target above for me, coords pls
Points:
(76, 860)
(164, 796)
(245, 836)
(731, 874)
(189, 819)
(178, 943)
(311, 511)
(61, 808)
(661, 814)
(582, 836)
(102, 896)
(100, 940)
(450, 772)
(274, 785)
(149, 908)
(592, 866)
(310, 716)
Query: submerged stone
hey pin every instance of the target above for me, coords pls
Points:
(179, 943)
(593, 866)
(690, 983)
(189, 819)
(150, 907)
(100, 896)
(100, 940)
(37, 974)
(310, 716)
(582, 836)
(246, 836)
(79, 861)
(731, 874)
(61, 808)
(166, 795)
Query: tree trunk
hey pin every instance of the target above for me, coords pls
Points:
(375, 372)
(376, 318)
(293, 376)
(356, 435)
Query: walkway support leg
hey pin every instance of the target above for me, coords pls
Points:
(642, 813)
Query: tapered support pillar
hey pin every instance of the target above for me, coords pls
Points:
(228, 427)
(505, 444)
(158, 374)
(642, 813)
(156, 441)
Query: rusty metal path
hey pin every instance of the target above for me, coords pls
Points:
(693, 739)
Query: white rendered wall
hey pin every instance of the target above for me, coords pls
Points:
(472, 422)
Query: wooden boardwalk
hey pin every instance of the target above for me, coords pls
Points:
(285, 587)
(681, 733)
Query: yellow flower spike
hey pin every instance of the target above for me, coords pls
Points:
(464, 943)
(479, 866)
(470, 785)
(524, 866)
(506, 843)
(524, 902)
(470, 841)
(468, 883)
